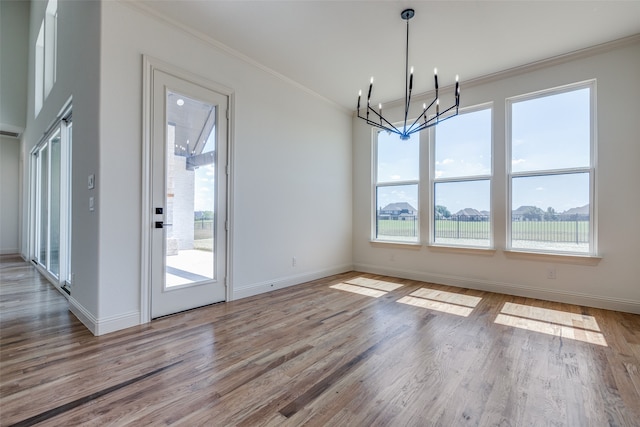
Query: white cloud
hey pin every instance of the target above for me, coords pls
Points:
(517, 161)
(447, 161)
(396, 177)
(539, 188)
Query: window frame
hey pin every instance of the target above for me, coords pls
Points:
(46, 56)
(590, 169)
(468, 178)
(376, 184)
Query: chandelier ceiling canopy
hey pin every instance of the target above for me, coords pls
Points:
(426, 118)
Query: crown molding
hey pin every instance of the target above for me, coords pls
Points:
(148, 11)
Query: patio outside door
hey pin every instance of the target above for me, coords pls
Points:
(189, 158)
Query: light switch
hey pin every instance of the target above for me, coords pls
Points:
(91, 205)
(91, 182)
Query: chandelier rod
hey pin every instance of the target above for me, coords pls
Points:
(407, 15)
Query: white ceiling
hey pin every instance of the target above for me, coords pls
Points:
(333, 47)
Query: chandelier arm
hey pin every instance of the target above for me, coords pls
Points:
(385, 128)
(395, 129)
(437, 119)
(423, 114)
(392, 129)
(431, 123)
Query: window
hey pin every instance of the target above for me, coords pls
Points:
(45, 55)
(39, 71)
(461, 179)
(551, 142)
(397, 174)
(50, 45)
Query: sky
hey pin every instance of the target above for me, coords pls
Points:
(548, 133)
(204, 188)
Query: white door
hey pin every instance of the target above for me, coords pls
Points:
(189, 162)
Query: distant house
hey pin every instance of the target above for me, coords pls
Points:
(575, 214)
(527, 213)
(469, 214)
(398, 211)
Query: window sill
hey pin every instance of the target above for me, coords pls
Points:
(553, 257)
(463, 249)
(396, 244)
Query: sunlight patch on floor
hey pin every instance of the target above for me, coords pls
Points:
(358, 290)
(381, 285)
(552, 322)
(447, 302)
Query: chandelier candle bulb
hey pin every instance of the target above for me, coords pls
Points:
(359, 96)
(411, 79)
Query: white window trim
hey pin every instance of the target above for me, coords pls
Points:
(433, 181)
(590, 169)
(376, 184)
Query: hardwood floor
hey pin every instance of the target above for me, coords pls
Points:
(397, 352)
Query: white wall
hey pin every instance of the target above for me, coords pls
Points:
(291, 167)
(78, 75)
(14, 35)
(10, 191)
(612, 282)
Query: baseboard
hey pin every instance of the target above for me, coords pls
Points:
(283, 282)
(106, 325)
(10, 251)
(83, 315)
(596, 301)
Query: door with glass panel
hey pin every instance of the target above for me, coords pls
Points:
(50, 202)
(189, 162)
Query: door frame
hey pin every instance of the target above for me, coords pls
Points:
(150, 65)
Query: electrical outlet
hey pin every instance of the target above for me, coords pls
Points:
(551, 273)
(294, 261)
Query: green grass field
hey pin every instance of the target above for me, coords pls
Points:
(547, 231)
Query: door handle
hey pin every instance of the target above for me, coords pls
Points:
(160, 224)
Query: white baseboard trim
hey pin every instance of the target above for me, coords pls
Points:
(83, 315)
(283, 282)
(596, 301)
(106, 325)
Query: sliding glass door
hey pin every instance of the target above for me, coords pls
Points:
(50, 226)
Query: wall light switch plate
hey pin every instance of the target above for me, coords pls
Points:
(91, 205)
(91, 182)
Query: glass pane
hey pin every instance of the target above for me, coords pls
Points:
(190, 216)
(67, 255)
(398, 160)
(54, 211)
(43, 217)
(551, 212)
(397, 213)
(551, 132)
(462, 213)
(463, 145)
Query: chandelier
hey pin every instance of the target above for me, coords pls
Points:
(423, 121)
